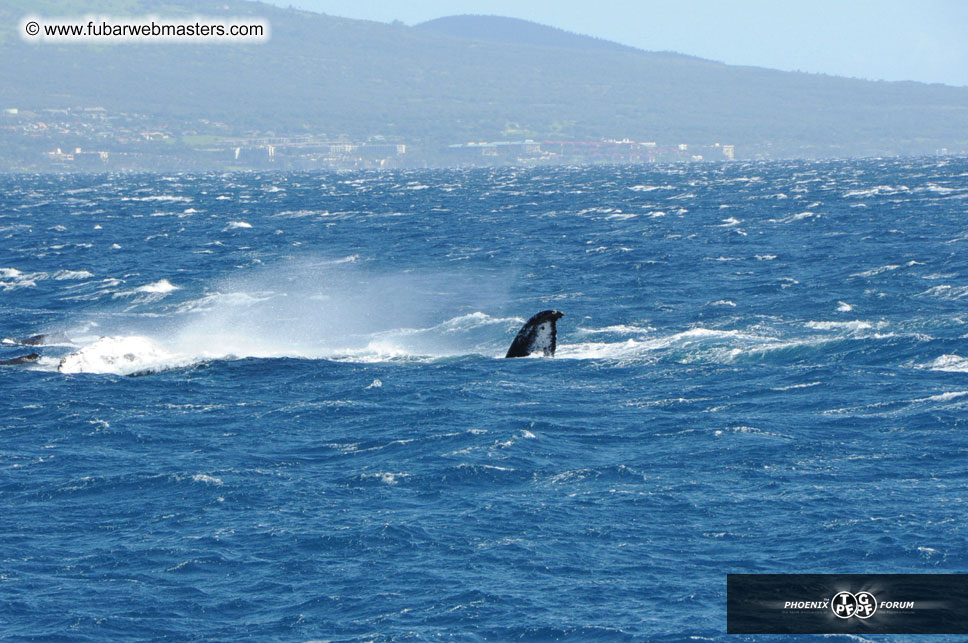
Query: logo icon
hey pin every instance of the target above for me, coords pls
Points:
(847, 605)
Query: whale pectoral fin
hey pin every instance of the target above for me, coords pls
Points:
(539, 334)
(552, 339)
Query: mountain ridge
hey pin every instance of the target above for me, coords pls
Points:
(358, 79)
(494, 28)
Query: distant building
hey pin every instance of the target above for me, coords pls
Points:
(382, 149)
(78, 156)
(90, 159)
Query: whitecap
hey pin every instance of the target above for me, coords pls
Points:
(158, 197)
(795, 217)
(876, 271)
(950, 363)
(162, 286)
(945, 291)
(617, 328)
(207, 479)
(61, 275)
(879, 190)
(855, 326)
(945, 397)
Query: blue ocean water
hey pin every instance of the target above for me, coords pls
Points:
(273, 405)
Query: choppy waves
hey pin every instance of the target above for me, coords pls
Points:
(761, 368)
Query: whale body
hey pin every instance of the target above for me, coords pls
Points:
(23, 359)
(34, 340)
(538, 335)
(39, 340)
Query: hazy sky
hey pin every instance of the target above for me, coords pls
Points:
(925, 40)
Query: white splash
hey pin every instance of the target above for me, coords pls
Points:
(123, 355)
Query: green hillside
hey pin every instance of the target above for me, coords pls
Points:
(356, 78)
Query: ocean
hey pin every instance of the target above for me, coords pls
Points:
(274, 406)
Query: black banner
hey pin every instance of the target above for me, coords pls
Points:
(847, 603)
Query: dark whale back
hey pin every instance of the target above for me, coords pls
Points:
(539, 334)
(23, 359)
(40, 340)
